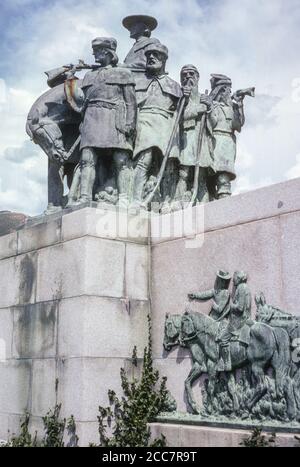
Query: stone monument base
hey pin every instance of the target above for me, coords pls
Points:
(76, 289)
(192, 436)
(73, 304)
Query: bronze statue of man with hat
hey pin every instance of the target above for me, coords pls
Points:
(140, 27)
(157, 98)
(219, 294)
(108, 105)
(239, 319)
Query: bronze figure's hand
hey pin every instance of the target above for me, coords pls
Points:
(206, 100)
(186, 90)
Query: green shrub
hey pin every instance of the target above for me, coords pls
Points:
(128, 417)
(258, 440)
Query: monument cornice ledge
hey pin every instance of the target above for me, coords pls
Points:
(269, 202)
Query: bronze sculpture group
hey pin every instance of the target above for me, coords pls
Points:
(128, 134)
(253, 365)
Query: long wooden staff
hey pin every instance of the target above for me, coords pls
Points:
(168, 151)
(197, 166)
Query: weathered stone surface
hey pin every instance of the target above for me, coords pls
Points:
(4, 426)
(101, 327)
(263, 203)
(35, 330)
(177, 225)
(176, 370)
(43, 386)
(105, 223)
(137, 271)
(18, 280)
(9, 284)
(87, 433)
(289, 248)
(39, 236)
(84, 383)
(6, 333)
(8, 245)
(253, 247)
(197, 436)
(65, 270)
(90, 221)
(15, 386)
(10, 221)
(27, 277)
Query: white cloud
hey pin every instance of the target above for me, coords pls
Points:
(294, 171)
(254, 42)
(3, 93)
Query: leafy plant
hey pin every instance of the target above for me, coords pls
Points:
(128, 417)
(25, 439)
(54, 428)
(258, 440)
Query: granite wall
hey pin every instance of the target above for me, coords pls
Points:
(73, 303)
(257, 232)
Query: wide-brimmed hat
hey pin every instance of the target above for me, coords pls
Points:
(223, 275)
(149, 21)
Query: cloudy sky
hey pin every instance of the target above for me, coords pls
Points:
(255, 42)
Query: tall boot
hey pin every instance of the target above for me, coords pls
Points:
(223, 185)
(140, 176)
(226, 357)
(88, 174)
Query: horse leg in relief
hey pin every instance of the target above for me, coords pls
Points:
(282, 368)
(74, 192)
(194, 374)
(232, 391)
(258, 376)
(55, 184)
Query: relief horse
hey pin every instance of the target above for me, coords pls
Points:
(277, 318)
(198, 332)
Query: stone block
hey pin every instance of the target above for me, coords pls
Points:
(105, 267)
(239, 209)
(137, 272)
(88, 265)
(9, 284)
(105, 223)
(10, 221)
(83, 385)
(4, 426)
(8, 245)
(101, 327)
(35, 330)
(176, 371)
(90, 221)
(43, 386)
(36, 426)
(18, 280)
(27, 277)
(6, 333)
(87, 433)
(39, 236)
(289, 253)
(170, 431)
(15, 395)
(209, 437)
(179, 270)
